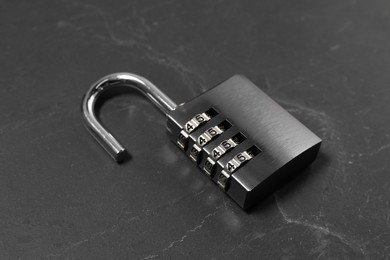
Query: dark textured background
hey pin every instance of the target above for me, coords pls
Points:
(61, 196)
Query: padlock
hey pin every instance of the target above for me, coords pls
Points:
(238, 136)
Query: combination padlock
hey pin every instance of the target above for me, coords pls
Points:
(238, 136)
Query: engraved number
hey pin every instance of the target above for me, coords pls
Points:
(202, 140)
(241, 157)
(212, 132)
(231, 167)
(189, 127)
(200, 118)
(226, 144)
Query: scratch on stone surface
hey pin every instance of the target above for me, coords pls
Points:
(52, 133)
(74, 245)
(354, 245)
(312, 76)
(157, 5)
(334, 47)
(103, 16)
(252, 236)
(286, 83)
(188, 232)
(175, 64)
(149, 257)
(151, 53)
(376, 238)
(380, 149)
(344, 26)
(31, 121)
(329, 69)
(12, 125)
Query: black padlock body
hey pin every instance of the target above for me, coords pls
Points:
(272, 145)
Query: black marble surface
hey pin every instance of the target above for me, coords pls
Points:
(62, 197)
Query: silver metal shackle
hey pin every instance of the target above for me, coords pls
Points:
(118, 82)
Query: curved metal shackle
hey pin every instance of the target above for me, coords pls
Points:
(118, 82)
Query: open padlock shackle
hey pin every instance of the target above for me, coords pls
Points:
(118, 82)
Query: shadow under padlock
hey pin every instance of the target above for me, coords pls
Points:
(238, 136)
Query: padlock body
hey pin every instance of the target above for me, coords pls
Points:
(242, 139)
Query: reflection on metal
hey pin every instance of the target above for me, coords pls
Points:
(118, 83)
